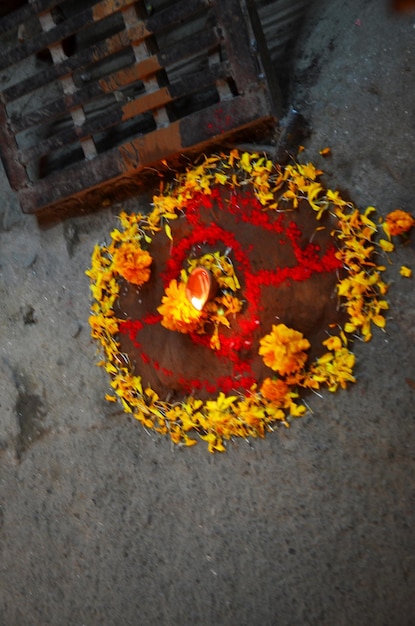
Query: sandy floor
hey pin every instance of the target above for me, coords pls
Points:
(102, 524)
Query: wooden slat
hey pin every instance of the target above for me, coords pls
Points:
(51, 110)
(98, 52)
(27, 11)
(70, 26)
(179, 11)
(111, 117)
(146, 151)
(108, 86)
(231, 98)
(118, 80)
(95, 53)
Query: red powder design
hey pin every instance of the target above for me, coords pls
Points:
(245, 207)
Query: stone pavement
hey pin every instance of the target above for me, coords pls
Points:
(104, 524)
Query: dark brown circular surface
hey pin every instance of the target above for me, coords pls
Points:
(287, 269)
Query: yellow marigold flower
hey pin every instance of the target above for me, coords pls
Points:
(283, 350)
(177, 312)
(405, 271)
(132, 263)
(398, 222)
(274, 390)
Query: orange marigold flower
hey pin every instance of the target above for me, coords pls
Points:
(274, 390)
(132, 263)
(398, 222)
(177, 312)
(283, 350)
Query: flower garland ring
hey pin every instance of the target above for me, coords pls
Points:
(296, 276)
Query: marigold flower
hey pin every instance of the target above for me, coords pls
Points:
(177, 312)
(398, 222)
(132, 263)
(283, 350)
(275, 390)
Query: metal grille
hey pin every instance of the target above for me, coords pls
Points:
(96, 95)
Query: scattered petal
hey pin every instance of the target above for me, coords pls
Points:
(405, 271)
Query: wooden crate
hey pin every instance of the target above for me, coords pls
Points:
(97, 96)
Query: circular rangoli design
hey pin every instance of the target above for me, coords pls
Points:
(240, 290)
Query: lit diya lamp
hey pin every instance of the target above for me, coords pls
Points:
(201, 286)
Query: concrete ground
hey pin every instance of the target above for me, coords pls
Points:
(104, 524)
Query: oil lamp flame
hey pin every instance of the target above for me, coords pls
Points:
(197, 303)
(200, 287)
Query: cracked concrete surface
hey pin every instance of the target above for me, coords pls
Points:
(103, 523)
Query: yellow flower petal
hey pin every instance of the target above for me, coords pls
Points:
(387, 246)
(110, 398)
(405, 271)
(379, 320)
(333, 343)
